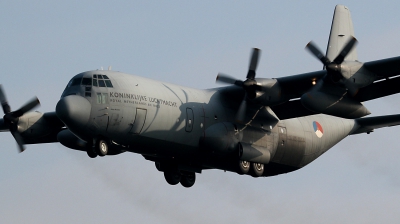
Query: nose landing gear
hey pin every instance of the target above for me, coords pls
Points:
(100, 148)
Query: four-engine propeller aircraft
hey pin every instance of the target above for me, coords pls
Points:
(259, 127)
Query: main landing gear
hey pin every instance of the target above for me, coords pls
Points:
(100, 148)
(254, 169)
(173, 177)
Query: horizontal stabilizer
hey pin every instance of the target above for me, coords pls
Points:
(368, 124)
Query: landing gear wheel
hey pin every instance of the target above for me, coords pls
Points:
(188, 179)
(172, 177)
(91, 153)
(102, 147)
(244, 167)
(257, 169)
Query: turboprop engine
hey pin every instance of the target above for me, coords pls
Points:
(263, 91)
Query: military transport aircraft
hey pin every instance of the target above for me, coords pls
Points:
(258, 127)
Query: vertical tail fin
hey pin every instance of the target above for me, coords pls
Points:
(341, 30)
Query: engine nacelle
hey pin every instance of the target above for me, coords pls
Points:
(266, 92)
(221, 139)
(356, 75)
(35, 125)
(333, 105)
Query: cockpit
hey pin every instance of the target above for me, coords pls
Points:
(82, 84)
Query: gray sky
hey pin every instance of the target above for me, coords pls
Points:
(42, 45)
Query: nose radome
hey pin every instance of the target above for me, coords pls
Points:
(74, 111)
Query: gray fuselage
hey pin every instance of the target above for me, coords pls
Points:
(165, 121)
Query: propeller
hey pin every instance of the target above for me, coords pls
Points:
(11, 118)
(332, 67)
(249, 85)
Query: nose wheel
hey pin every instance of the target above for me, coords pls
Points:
(100, 148)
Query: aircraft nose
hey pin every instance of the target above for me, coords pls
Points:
(74, 111)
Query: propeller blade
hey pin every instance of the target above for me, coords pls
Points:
(18, 139)
(4, 103)
(27, 107)
(225, 79)
(253, 63)
(314, 50)
(222, 78)
(346, 49)
(241, 114)
(3, 126)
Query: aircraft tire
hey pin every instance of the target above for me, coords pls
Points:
(243, 167)
(173, 177)
(102, 147)
(257, 169)
(91, 153)
(188, 180)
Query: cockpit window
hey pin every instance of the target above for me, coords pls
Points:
(102, 81)
(87, 81)
(76, 81)
(108, 83)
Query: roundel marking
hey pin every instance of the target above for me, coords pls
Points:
(318, 129)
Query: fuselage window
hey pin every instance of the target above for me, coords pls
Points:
(101, 98)
(104, 98)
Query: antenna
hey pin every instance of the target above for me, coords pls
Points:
(101, 68)
(109, 68)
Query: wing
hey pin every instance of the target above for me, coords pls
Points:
(292, 87)
(385, 83)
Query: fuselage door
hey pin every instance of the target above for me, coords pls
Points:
(138, 123)
(280, 151)
(189, 119)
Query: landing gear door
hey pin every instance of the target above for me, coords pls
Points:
(189, 120)
(138, 123)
